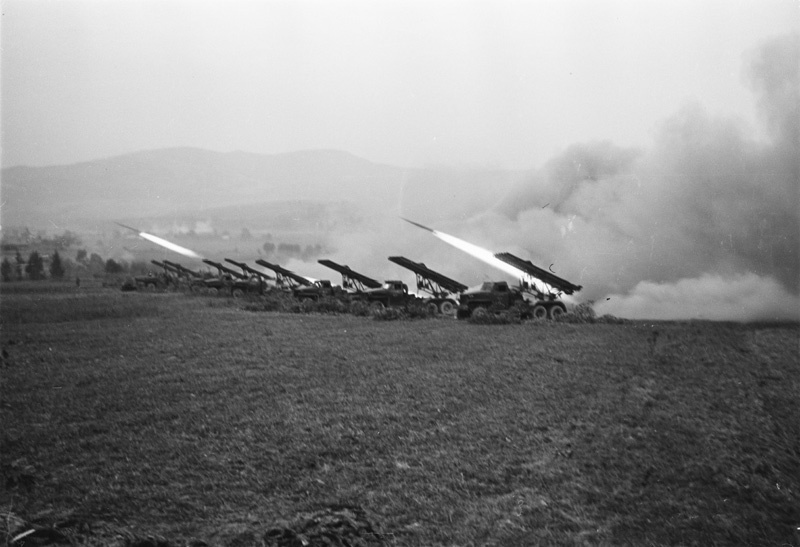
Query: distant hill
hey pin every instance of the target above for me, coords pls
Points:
(307, 216)
(184, 179)
(235, 187)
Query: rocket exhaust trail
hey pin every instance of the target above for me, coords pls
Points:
(484, 255)
(164, 243)
(473, 250)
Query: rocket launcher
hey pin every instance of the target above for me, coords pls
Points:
(223, 268)
(351, 279)
(285, 278)
(248, 269)
(551, 280)
(185, 271)
(167, 267)
(429, 280)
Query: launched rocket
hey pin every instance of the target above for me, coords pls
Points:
(163, 242)
(417, 224)
(544, 282)
(478, 252)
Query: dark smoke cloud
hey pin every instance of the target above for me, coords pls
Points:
(708, 209)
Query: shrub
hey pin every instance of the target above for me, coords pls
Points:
(359, 308)
(499, 317)
(611, 319)
(129, 284)
(307, 305)
(387, 314)
(327, 304)
(419, 310)
(582, 313)
(330, 304)
(276, 300)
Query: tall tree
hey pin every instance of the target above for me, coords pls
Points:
(19, 260)
(56, 267)
(96, 264)
(35, 267)
(67, 239)
(112, 266)
(6, 270)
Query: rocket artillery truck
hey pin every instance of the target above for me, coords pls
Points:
(443, 290)
(223, 281)
(185, 272)
(151, 281)
(301, 287)
(186, 277)
(393, 293)
(255, 282)
(285, 279)
(168, 269)
(352, 281)
(378, 295)
(543, 286)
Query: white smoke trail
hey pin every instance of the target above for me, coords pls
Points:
(480, 253)
(171, 246)
(489, 258)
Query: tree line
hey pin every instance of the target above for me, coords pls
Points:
(283, 251)
(38, 266)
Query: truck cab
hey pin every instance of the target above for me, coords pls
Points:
(254, 284)
(395, 287)
(489, 295)
(318, 289)
(391, 293)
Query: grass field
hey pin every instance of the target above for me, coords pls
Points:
(191, 418)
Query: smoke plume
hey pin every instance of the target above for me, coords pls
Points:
(746, 297)
(704, 223)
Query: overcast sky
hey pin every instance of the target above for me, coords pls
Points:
(411, 83)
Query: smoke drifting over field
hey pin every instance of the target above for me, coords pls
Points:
(746, 297)
(704, 224)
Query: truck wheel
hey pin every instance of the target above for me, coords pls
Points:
(237, 293)
(151, 287)
(539, 312)
(213, 291)
(479, 313)
(557, 311)
(432, 308)
(447, 307)
(376, 305)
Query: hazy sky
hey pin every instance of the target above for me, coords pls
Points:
(410, 83)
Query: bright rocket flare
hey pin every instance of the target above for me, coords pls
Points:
(478, 252)
(169, 245)
(164, 243)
